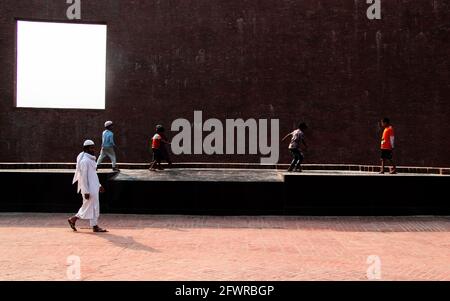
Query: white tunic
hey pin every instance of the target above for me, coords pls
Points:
(88, 182)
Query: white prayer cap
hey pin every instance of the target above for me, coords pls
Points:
(88, 143)
(108, 123)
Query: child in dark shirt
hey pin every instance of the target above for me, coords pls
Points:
(298, 138)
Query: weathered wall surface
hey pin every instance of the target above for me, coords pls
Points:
(319, 61)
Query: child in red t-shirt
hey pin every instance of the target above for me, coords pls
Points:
(157, 145)
(387, 145)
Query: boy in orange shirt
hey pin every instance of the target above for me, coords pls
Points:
(157, 141)
(387, 145)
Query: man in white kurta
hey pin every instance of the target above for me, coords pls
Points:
(89, 186)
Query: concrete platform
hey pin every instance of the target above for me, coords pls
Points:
(50, 171)
(200, 175)
(248, 174)
(306, 167)
(232, 192)
(239, 175)
(359, 173)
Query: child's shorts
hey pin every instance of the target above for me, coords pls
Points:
(157, 154)
(386, 154)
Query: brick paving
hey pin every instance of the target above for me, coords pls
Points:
(145, 247)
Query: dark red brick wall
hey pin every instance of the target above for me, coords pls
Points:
(318, 61)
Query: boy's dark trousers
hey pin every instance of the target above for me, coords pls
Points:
(156, 158)
(298, 158)
(165, 154)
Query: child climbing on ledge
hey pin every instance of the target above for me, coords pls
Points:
(298, 137)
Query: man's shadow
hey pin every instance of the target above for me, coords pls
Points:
(124, 241)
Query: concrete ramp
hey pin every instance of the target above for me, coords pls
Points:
(201, 175)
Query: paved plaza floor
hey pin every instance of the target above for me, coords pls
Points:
(146, 247)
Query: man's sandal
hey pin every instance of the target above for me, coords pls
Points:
(72, 225)
(97, 229)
